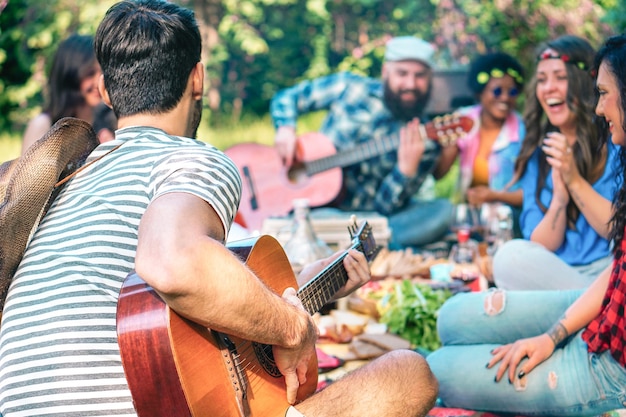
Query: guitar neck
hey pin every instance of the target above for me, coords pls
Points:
(443, 129)
(321, 289)
(359, 153)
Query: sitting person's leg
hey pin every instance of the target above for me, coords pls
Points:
(524, 265)
(470, 327)
(397, 384)
(499, 317)
(421, 223)
(571, 382)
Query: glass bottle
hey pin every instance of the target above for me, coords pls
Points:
(502, 227)
(463, 257)
(304, 247)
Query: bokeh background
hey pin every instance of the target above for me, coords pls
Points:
(252, 48)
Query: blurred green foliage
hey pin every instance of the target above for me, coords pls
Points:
(255, 47)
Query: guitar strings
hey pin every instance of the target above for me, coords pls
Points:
(329, 286)
(336, 277)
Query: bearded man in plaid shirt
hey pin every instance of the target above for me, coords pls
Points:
(366, 110)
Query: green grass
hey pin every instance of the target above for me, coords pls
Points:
(227, 133)
(250, 129)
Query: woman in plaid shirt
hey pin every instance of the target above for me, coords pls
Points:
(557, 353)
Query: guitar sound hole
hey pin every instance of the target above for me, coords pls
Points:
(266, 359)
(296, 173)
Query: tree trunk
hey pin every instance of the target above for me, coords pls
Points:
(209, 13)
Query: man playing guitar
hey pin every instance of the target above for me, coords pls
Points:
(363, 110)
(161, 203)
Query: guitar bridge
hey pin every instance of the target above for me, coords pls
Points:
(233, 366)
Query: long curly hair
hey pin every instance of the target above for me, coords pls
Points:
(613, 56)
(590, 150)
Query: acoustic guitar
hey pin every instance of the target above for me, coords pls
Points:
(176, 367)
(269, 187)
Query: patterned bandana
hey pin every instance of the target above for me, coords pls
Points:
(551, 54)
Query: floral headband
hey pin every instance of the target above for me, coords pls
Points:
(483, 77)
(563, 57)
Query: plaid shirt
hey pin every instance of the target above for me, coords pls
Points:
(608, 329)
(356, 114)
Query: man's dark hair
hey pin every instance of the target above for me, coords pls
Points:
(147, 49)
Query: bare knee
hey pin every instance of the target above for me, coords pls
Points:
(398, 384)
(495, 301)
(416, 380)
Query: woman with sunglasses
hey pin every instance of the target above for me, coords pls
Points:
(487, 153)
(568, 174)
(550, 353)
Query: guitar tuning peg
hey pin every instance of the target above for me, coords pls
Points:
(352, 228)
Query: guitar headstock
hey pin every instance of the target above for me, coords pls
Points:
(447, 129)
(363, 239)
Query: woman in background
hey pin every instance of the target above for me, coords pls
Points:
(502, 353)
(487, 153)
(567, 172)
(72, 88)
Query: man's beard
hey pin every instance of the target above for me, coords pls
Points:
(404, 111)
(194, 121)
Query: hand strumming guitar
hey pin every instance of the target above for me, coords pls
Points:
(285, 143)
(411, 148)
(293, 362)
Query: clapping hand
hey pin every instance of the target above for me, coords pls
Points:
(560, 156)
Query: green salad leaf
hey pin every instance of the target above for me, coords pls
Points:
(410, 310)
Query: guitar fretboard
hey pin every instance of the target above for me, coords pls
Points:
(359, 153)
(318, 291)
(444, 129)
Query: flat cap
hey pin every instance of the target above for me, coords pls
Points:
(409, 48)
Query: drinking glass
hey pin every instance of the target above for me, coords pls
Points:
(465, 217)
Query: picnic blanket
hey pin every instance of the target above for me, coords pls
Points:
(459, 412)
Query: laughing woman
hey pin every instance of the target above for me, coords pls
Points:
(502, 352)
(567, 172)
(488, 152)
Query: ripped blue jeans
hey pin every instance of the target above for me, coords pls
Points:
(572, 382)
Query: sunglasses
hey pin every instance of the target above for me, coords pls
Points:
(497, 92)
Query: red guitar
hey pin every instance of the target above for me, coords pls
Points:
(176, 367)
(269, 188)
